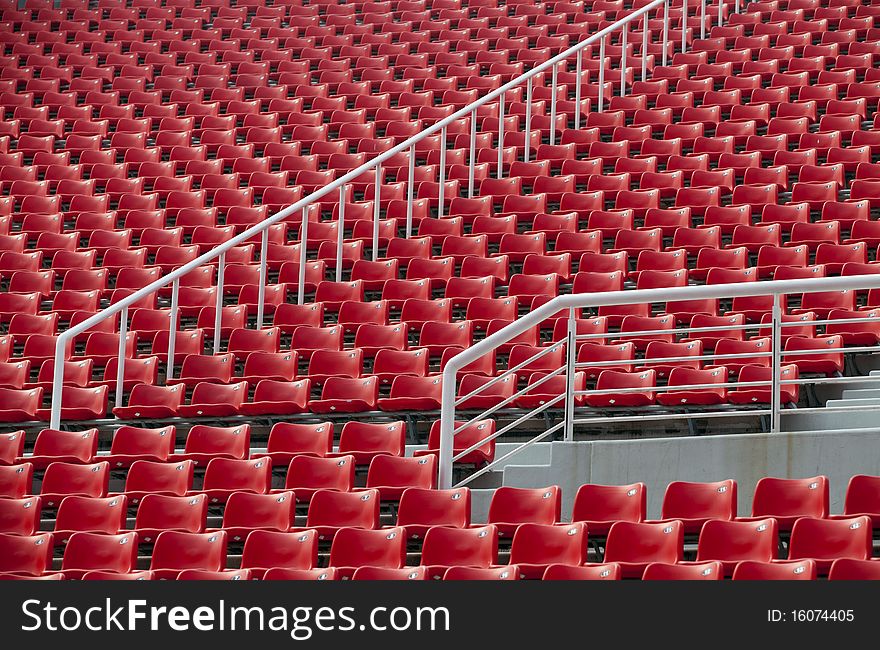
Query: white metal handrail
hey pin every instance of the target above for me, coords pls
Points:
(261, 229)
(572, 302)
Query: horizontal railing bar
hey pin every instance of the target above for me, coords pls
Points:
(510, 371)
(676, 416)
(537, 383)
(491, 410)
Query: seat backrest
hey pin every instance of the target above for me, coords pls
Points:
(689, 500)
(525, 505)
(476, 547)
(645, 542)
(355, 547)
(807, 497)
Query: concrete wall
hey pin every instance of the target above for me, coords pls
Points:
(657, 462)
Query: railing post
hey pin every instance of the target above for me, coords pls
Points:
(570, 354)
(172, 329)
(120, 365)
(377, 211)
(472, 154)
(553, 88)
(499, 173)
(776, 343)
(57, 382)
(665, 31)
(441, 189)
(644, 47)
(578, 67)
(703, 18)
(410, 186)
(218, 309)
(340, 233)
(528, 135)
(447, 428)
(303, 254)
(684, 20)
(601, 102)
(623, 41)
(261, 298)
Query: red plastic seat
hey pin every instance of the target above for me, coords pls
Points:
(829, 363)
(345, 395)
(210, 399)
(86, 514)
(203, 443)
(510, 507)
(610, 571)
(353, 548)
(680, 379)
(781, 570)
(693, 504)
(731, 542)
(636, 545)
(64, 447)
(25, 555)
(280, 573)
(446, 547)
(160, 512)
(266, 550)
(147, 477)
(65, 479)
(331, 511)
(536, 546)
(290, 439)
(786, 500)
(20, 405)
(246, 512)
(758, 394)
(20, 516)
(226, 476)
(599, 506)
(308, 474)
(510, 572)
(612, 380)
(594, 358)
(176, 551)
(412, 393)
(697, 571)
(420, 509)
(825, 540)
(392, 475)
(147, 401)
(98, 552)
(850, 569)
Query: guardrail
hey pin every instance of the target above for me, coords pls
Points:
(468, 113)
(449, 427)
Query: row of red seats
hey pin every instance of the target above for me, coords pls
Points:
(837, 549)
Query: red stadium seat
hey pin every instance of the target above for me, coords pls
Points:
(782, 570)
(787, 500)
(421, 509)
(825, 540)
(446, 547)
(98, 552)
(175, 551)
(636, 545)
(731, 542)
(158, 512)
(266, 550)
(353, 548)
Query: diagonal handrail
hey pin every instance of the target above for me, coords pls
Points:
(260, 229)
